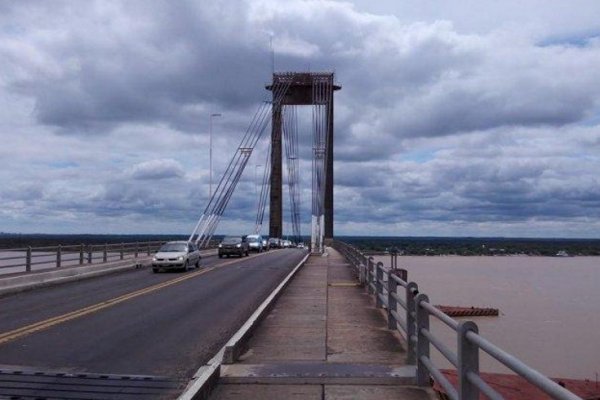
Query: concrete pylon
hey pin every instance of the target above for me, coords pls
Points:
(299, 92)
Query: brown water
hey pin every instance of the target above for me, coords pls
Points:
(549, 307)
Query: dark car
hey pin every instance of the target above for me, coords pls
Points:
(236, 245)
(274, 243)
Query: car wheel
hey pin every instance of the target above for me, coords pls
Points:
(197, 264)
(185, 266)
(220, 255)
(247, 253)
(155, 270)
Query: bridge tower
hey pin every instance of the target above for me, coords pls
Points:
(305, 88)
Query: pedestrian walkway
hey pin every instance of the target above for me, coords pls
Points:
(323, 339)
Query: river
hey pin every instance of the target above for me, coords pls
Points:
(549, 307)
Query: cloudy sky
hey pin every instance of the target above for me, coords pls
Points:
(469, 118)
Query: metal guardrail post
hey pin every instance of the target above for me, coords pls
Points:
(394, 258)
(90, 254)
(58, 256)
(468, 361)
(362, 274)
(392, 287)
(122, 250)
(379, 285)
(135, 254)
(412, 289)
(105, 253)
(81, 255)
(370, 275)
(148, 252)
(422, 341)
(28, 259)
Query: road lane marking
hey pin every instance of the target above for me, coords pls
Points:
(50, 322)
(38, 326)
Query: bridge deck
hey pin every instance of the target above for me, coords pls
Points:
(323, 339)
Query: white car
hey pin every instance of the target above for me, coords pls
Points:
(178, 255)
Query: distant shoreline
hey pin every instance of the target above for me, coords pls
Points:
(373, 245)
(383, 254)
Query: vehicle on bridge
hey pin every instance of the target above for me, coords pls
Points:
(274, 243)
(178, 255)
(255, 243)
(265, 243)
(233, 245)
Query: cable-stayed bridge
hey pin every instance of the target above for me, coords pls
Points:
(289, 90)
(92, 322)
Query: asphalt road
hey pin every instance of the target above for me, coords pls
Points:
(137, 322)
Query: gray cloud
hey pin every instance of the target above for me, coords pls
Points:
(157, 69)
(441, 125)
(157, 169)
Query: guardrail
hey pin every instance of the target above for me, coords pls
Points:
(392, 290)
(30, 258)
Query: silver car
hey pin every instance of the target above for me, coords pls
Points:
(178, 255)
(255, 243)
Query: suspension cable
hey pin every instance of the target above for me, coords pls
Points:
(208, 222)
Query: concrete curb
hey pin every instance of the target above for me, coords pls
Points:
(207, 376)
(34, 280)
(319, 373)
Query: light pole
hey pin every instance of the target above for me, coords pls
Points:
(210, 152)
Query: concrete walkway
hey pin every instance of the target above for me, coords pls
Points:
(323, 339)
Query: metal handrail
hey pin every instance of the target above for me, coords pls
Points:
(442, 348)
(400, 281)
(384, 285)
(439, 314)
(490, 392)
(440, 378)
(531, 375)
(61, 255)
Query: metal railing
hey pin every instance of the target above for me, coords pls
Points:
(409, 312)
(29, 259)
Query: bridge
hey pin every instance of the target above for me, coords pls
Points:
(92, 322)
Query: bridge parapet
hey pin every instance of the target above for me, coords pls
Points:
(30, 259)
(391, 289)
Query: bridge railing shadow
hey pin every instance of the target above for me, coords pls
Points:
(409, 312)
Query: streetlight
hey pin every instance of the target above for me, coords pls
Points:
(210, 152)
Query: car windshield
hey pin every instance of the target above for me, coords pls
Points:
(173, 247)
(232, 240)
(253, 239)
